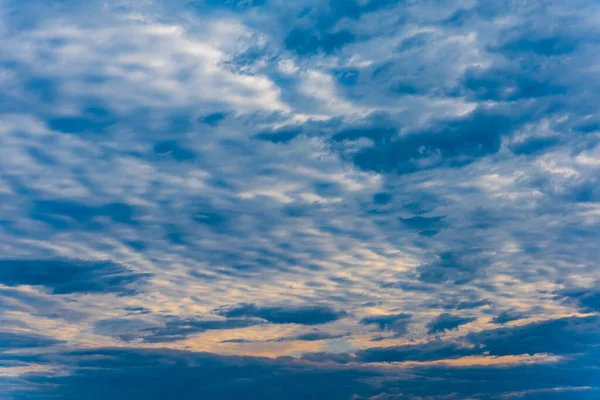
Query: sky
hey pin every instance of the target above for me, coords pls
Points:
(310, 199)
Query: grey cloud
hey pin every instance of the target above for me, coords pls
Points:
(64, 276)
(447, 322)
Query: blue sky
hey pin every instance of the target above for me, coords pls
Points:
(334, 199)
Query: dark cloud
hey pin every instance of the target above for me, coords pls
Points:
(586, 299)
(557, 336)
(458, 267)
(397, 323)
(217, 201)
(429, 351)
(22, 340)
(172, 330)
(151, 374)
(506, 84)
(66, 276)
(304, 337)
(446, 322)
(126, 373)
(452, 143)
(508, 316)
(303, 315)
(179, 329)
(460, 303)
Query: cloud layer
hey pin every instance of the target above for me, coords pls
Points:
(327, 199)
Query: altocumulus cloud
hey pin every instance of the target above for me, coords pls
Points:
(65, 276)
(313, 315)
(313, 199)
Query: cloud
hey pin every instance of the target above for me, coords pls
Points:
(586, 299)
(303, 315)
(397, 323)
(557, 336)
(447, 322)
(172, 330)
(64, 276)
(126, 372)
(339, 174)
(22, 340)
(457, 267)
(429, 351)
(508, 316)
(178, 329)
(455, 142)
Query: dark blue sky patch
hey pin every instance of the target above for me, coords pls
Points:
(174, 149)
(414, 42)
(175, 235)
(356, 8)
(65, 276)
(447, 322)
(348, 77)
(378, 134)
(63, 214)
(45, 89)
(76, 125)
(213, 119)
(503, 84)
(309, 42)
(284, 135)
(235, 4)
(535, 145)
(303, 315)
(328, 189)
(316, 31)
(382, 198)
(41, 156)
(543, 46)
(210, 218)
(91, 120)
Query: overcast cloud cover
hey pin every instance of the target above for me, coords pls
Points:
(312, 199)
